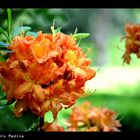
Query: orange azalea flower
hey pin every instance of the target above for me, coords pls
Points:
(88, 118)
(52, 128)
(132, 41)
(44, 73)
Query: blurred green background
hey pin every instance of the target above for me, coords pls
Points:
(115, 86)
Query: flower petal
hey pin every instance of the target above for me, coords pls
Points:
(22, 89)
(38, 93)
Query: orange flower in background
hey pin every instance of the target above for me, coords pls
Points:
(132, 42)
(52, 127)
(44, 73)
(88, 118)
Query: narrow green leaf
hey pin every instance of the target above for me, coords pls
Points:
(2, 30)
(76, 30)
(49, 117)
(3, 48)
(31, 33)
(9, 22)
(8, 51)
(80, 35)
(21, 29)
(4, 33)
(5, 105)
(4, 57)
(58, 30)
(3, 97)
(3, 45)
(53, 30)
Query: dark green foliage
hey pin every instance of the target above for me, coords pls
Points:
(9, 122)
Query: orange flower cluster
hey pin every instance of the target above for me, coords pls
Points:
(95, 119)
(132, 42)
(44, 73)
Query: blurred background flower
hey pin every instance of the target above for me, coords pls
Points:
(92, 119)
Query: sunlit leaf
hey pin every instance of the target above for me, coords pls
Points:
(21, 29)
(32, 33)
(49, 117)
(57, 30)
(80, 35)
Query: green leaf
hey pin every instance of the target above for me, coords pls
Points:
(80, 35)
(5, 105)
(21, 29)
(2, 94)
(4, 33)
(32, 33)
(49, 117)
(2, 30)
(4, 57)
(35, 125)
(3, 45)
(28, 119)
(9, 122)
(9, 22)
(53, 29)
(8, 51)
(3, 97)
(57, 30)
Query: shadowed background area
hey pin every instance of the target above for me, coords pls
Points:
(115, 86)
